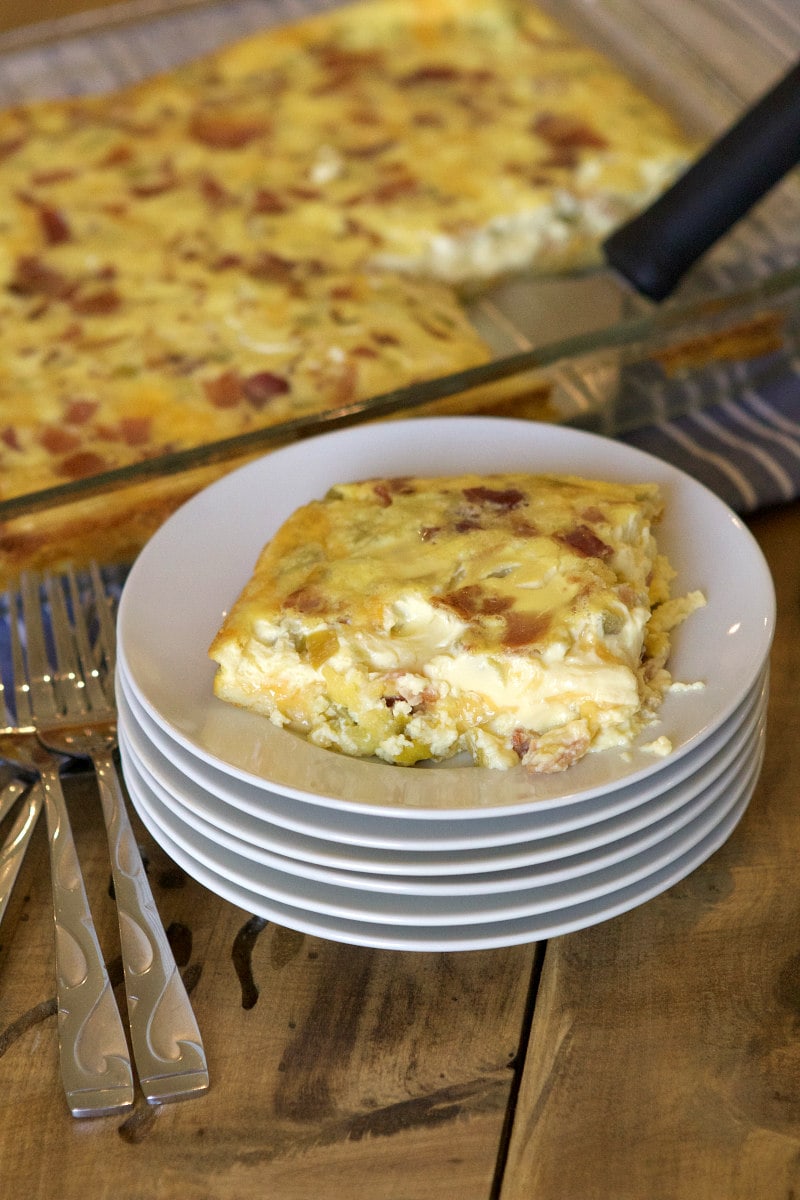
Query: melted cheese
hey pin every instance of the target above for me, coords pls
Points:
(416, 618)
(274, 230)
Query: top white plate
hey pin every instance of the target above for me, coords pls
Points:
(194, 567)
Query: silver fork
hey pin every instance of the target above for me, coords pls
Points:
(95, 1063)
(75, 714)
(16, 843)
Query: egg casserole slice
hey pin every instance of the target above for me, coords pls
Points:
(521, 618)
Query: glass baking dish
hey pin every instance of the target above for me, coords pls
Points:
(580, 349)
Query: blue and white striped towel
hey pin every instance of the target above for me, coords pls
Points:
(746, 448)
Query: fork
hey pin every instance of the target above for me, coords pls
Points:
(94, 1059)
(16, 843)
(75, 714)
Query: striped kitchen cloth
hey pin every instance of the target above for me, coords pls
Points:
(745, 448)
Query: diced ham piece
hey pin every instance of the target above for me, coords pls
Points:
(33, 277)
(500, 498)
(57, 440)
(263, 387)
(96, 303)
(268, 202)
(214, 193)
(10, 146)
(584, 541)
(78, 412)
(81, 464)
(229, 388)
(223, 391)
(564, 131)
(226, 130)
(55, 226)
(135, 431)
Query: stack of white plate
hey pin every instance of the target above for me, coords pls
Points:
(445, 857)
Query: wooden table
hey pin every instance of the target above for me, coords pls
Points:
(652, 1057)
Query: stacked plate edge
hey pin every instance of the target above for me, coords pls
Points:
(452, 857)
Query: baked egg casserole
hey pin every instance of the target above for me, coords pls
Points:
(284, 226)
(519, 618)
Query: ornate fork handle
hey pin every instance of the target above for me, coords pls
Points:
(167, 1045)
(16, 844)
(95, 1063)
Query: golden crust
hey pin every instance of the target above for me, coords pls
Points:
(110, 528)
(283, 227)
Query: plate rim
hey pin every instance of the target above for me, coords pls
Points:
(513, 826)
(498, 879)
(359, 788)
(465, 938)
(635, 817)
(449, 910)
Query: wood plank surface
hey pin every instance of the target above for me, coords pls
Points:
(664, 1060)
(336, 1071)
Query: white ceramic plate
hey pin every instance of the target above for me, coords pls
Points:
(252, 835)
(500, 878)
(383, 907)
(483, 936)
(365, 833)
(193, 568)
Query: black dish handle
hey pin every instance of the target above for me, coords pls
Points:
(657, 247)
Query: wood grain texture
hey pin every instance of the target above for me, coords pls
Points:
(335, 1070)
(663, 1062)
(664, 1059)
